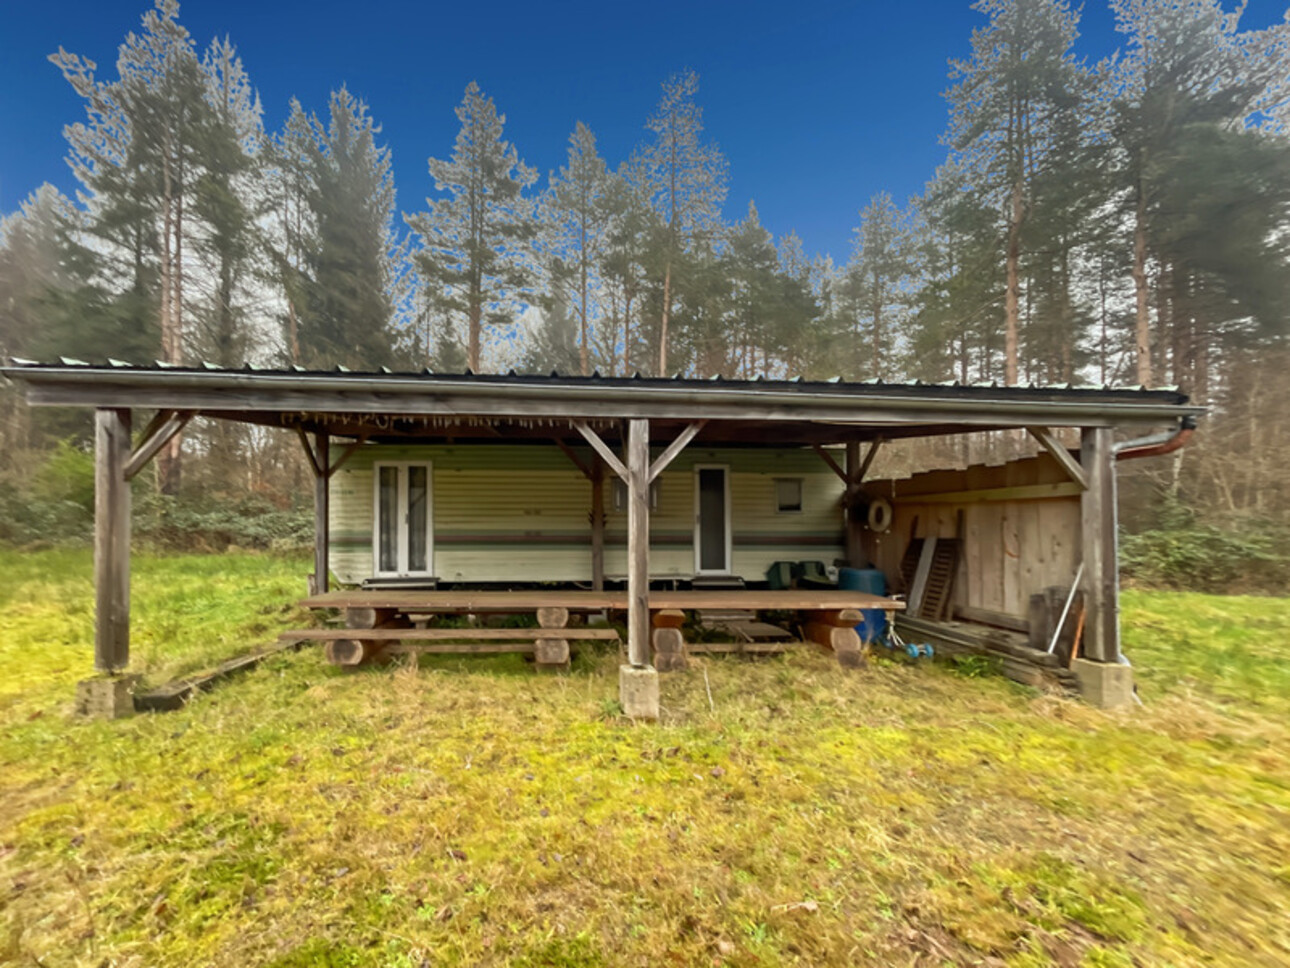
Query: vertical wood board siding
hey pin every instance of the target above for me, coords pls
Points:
(1011, 549)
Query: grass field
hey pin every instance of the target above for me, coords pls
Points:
(472, 812)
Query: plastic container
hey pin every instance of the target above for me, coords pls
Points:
(874, 624)
(779, 575)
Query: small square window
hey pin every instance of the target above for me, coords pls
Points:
(788, 494)
(620, 495)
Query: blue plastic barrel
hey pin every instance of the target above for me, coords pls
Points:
(874, 582)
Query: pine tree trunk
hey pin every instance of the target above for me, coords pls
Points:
(1013, 292)
(667, 310)
(586, 354)
(473, 334)
(167, 461)
(1142, 328)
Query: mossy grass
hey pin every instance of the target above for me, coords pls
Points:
(465, 812)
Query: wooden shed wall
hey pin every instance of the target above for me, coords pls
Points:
(1020, 529)
(521, 513)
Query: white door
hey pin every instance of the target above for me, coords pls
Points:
(711, 519)
(403, 536)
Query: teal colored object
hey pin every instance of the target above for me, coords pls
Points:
(872, 581)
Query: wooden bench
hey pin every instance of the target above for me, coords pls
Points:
(349, 647)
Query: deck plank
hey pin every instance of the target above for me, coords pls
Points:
(458, 602)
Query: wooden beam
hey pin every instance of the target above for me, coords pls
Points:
(1019, 492)
(674, 449)
(163, 428)
(573, 458)
(350, 450)
(309, 452)
(638, 637)
(597, 524)
(1100, 582)
(854, 536)
(111, 540)
(870, 454)
(575, 634)
(1060, 454)
(828, 459)
(322, 508)
(601, 448)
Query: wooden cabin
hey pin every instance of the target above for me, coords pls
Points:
(584, 484)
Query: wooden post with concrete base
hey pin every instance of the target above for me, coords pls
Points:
(1104, 680)
(638, 680)
(322, 513)
(108, 695)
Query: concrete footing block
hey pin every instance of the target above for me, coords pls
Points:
(638, 691)
(106, 697)
(1105, 684)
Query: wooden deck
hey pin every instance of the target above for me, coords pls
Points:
(462, 602)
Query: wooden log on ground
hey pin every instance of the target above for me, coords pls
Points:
(175, 694)
(668, 618)
(553, 616)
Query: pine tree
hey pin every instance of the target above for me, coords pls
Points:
(226, 201)
(576, 201)
(553, 343)
(684, 178)
(1206, 189)
(474, 242)
(879, 277)
(1020, 83)
(348, 312)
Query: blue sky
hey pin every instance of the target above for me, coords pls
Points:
(817, 106)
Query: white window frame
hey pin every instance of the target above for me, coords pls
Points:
(402, 511)
(730, 549)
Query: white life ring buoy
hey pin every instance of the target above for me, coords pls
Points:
(879, 515)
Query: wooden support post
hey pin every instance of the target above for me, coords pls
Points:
(598, 524)
(111, 540)
(638, 639)
(322, 501)
(1100, 583)
(855, 540)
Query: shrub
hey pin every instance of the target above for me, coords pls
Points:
(1181, 552)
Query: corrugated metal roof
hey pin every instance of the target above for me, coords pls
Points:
(555, 378)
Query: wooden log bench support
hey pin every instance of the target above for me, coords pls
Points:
(670, 654)
(360, 651)
(834, 630)
(552, 655)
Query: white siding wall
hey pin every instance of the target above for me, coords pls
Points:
(517, 513)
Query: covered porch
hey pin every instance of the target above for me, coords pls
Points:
(630, 429)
